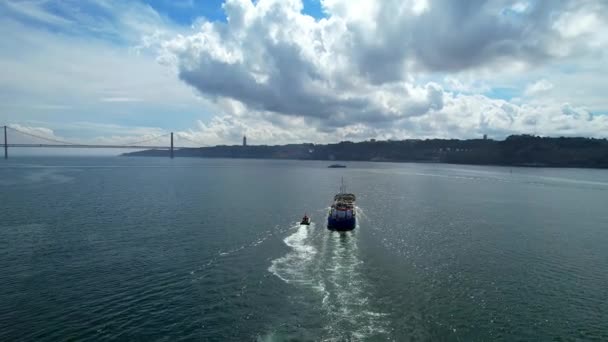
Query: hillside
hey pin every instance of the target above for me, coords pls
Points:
(516, 150)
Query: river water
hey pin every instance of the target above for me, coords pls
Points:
(208, 249)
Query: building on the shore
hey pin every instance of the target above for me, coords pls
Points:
(244, 140)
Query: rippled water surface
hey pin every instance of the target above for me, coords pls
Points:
(201, 249)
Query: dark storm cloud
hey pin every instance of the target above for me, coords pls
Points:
(457, 35)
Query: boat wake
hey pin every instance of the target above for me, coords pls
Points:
(346, 302)
(328, 264)
(225, 253)
(294, 267)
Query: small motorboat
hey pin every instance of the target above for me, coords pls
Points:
(305, 220)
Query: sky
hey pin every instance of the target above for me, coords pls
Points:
(292, 71)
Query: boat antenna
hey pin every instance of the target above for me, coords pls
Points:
(342, 185)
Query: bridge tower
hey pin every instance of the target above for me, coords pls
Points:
(5, 144)
(171, 145)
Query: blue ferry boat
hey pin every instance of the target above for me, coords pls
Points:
(342, 214)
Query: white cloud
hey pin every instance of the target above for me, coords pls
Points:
(580, 22)
(369, 69)
(462, 116)
(360, 65)
(120, 99)
(58, 76)
(539, 86)
(520, 7)
(33, 11)
(466, 84)
(30, 131)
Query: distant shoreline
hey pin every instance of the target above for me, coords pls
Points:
(532, 166)
(517, 151)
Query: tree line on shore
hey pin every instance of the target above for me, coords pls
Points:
(516, 150)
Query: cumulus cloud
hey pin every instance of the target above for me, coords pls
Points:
(539, 86)
(362, 67)
(271, 57)
(368, 69)
(462, 116)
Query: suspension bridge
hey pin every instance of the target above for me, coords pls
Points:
(46, 142)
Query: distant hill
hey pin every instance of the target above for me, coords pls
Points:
(516, 150)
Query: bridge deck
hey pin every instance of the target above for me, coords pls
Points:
(95, 146)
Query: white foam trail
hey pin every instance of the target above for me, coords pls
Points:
(293, 266)
(345, 300)
(360, 214)
(224, 253)
(328, 263)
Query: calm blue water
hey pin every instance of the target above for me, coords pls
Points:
(198, 249)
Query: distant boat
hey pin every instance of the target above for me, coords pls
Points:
(336, 166)
(305, 220)
(342, 214)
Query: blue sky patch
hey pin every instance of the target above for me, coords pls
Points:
(184, 12)
(503, 93)
(313, 8)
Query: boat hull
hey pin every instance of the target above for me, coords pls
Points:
(341, 223)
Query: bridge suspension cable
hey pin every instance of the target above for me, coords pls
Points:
(41, 137)
(181, 136)
(134, 143)
(64, 144)
(146, 140)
